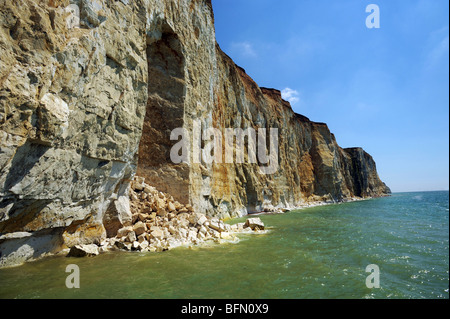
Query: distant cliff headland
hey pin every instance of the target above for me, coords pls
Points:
(90, 95)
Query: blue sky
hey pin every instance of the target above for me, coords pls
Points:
(385, 89)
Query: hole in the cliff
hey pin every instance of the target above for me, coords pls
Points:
(164, 113)
(252, 195)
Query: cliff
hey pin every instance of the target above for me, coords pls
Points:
(90, 92)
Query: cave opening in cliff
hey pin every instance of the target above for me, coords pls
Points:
(253, 204)
(164, 112)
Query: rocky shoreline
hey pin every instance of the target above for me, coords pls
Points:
(156, 223)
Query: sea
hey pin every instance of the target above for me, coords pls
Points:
(394, 247)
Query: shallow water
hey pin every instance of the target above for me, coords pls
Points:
(319, 252)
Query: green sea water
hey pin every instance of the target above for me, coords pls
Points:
(319, 252)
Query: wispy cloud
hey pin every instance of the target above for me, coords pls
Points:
(440, 48)
(244, 49)
(290, 95)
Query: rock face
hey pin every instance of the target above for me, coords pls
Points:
(90, 92)
(72, 103)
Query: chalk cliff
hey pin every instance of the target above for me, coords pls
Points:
(90, 92)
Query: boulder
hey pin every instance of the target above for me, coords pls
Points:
(133, 196)
(217, 225)
(142, 217)
(120, 245)
(131, 237)
(171, 207)
(203, 230)
(143, 245)
(135, 245)
(162, 212)
(124, 231)
(83, 251)
(127, 246)
(141, 238)
(254, 223)
(148, 189)
(157, 233)
(177, 205)
(192, 234)
(172, 230)
(182, 232)
(136, 185)
(117, 216)
(197, 219)
(202, 219)
(139, 228)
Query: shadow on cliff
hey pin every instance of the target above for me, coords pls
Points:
(24, 160)
(26, 157)
(47, 240)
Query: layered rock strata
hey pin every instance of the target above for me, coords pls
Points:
(90, 92)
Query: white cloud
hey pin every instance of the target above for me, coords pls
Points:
(290, 95)
(244, 48)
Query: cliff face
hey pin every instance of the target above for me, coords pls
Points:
(311, 165)
(90, 92)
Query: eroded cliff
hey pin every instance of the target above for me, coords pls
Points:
(90, 92)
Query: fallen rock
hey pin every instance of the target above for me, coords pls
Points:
(202, 220)
(131, 237)
(138, 183)
(182, 232)
(144, 245)
(217, 225)
(177, 205)
(123, 232)
(160, 223)
(172, 230)
(254, 223)
(142, 217)
(136, 245)
(148, 189)
(162, 212)
(171, 207)
(83, 251)
(139, 228)
(157, 233)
